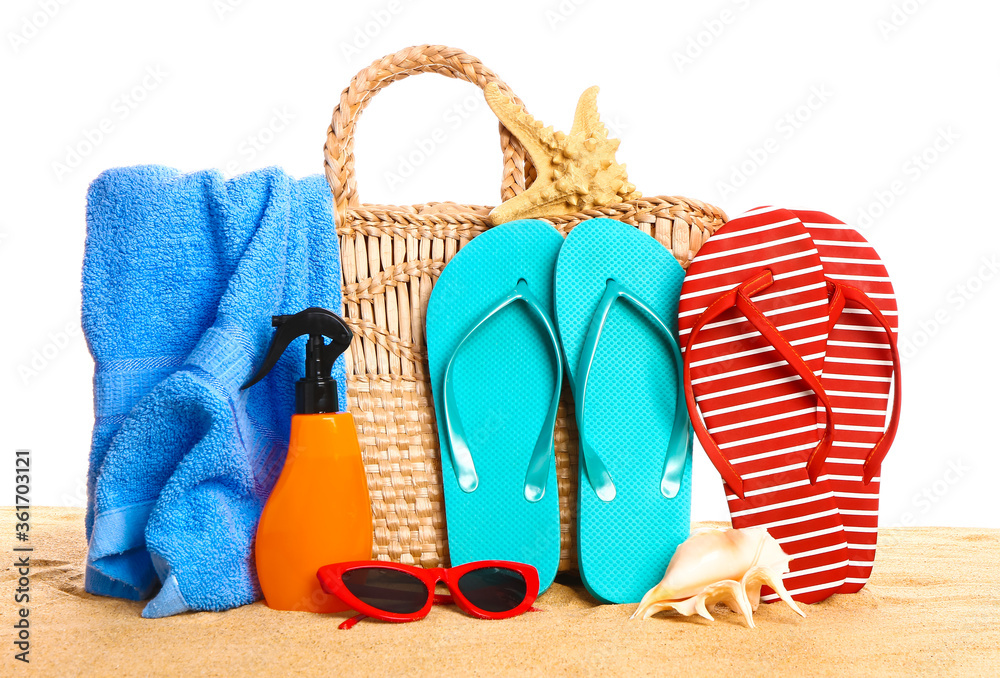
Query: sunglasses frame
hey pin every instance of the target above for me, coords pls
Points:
(330, 578)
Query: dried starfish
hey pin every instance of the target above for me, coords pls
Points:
(575, 171)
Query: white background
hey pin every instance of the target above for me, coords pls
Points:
(893, 123)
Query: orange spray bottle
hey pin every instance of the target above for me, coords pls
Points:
(319, 511)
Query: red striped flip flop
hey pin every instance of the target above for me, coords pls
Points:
(753, 320)
(861, 375)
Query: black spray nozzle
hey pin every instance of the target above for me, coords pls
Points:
(315, 393)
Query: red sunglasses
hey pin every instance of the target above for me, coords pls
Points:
(487, 589)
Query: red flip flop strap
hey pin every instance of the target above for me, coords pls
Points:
(837, 303)
(767, 329)
(873, 462)
(723, 303)
(740, 298)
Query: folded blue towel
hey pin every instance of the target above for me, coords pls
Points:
(154, 270)
(178, 490)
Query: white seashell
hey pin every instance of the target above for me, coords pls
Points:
(727, 592)
(720, 566)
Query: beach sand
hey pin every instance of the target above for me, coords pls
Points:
(930, 609)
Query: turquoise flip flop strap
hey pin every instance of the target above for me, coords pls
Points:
(541, 457)
(680, 445)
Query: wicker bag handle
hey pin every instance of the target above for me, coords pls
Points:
(447, 61)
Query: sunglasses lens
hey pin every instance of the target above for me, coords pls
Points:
(493, 589)
(386, 590)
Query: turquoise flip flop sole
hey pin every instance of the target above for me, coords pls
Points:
(629, 415)
(501, 384)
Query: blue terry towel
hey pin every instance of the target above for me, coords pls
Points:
(154, 270)
(181, 276)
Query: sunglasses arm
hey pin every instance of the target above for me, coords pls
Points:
(349, 623)
(439, 599)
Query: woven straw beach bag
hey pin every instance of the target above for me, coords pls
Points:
(391, 256)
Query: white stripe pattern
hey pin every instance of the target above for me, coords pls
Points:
(763, 349)
(814, 570)
(855, 377)
(858, 394)
(773, 471)
(774, 489)
(767, 244)
(858, 328)
(761, 420)
(836, 227)
(843, 260)
(857, 344)
(757, 403)
(867, 278)
(769, 314)
(755, 333)
(771, 597)
(749, 231)
(762, 297)
(780, 505)
(861, 311)
(816, 552)
(856, 495)
(810, 535)
(800, 519)
(750, 387)
(770, 436)
(840, 243)
(772, 453)
(853, 495)
(849, 427)
(755, 264)
(857, 361)
(851, 410)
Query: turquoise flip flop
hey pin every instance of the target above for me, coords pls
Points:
(496, 375)
(616, 303)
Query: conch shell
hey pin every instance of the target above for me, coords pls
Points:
(720, 565)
